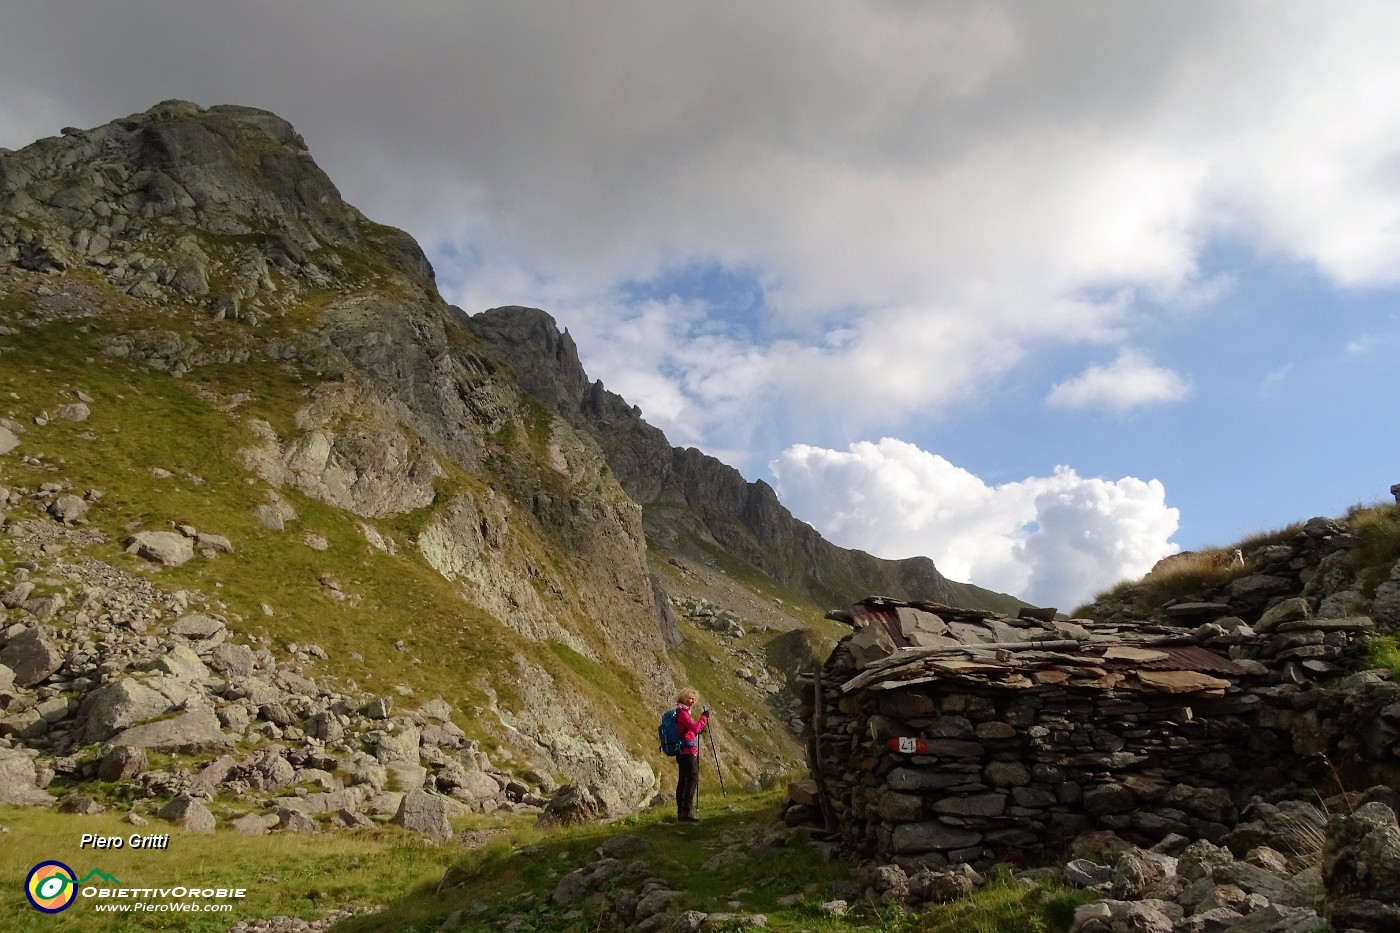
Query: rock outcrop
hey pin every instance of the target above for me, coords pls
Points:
(688, 495)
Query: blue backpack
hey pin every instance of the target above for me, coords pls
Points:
(669, 733)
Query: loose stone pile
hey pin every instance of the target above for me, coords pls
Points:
(99, 668)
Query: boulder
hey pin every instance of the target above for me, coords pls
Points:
(31, 656)
(292, 820)
(189, 813)
(16, 595)
(122, 763)
(425, 813)
(197, 730)
(253, 824)
(182, 663)
(74, 412)
(116, 706)
(232, 660)
(8, 441)
(209, 778)
(571, 804)
(19, 780)
(200, 628)
(1361, 869)
(162, 547)
(68, 509)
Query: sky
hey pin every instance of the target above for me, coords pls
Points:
(1045, 292)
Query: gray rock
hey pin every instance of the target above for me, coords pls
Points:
(81, 804)
(31, 656)
(8, 441)
(571, 805)
(182, 663)
(379, 708)
(209, 778)
(74, 412)
(116, 706)
(68, 509)
(1137, 871)
(16, 595)
(1113, 915)
(1288, 610)
(1083, 873)
(189, 813)
(19, 781)
(1361, 869)
(197, 730)
(270, 518)
(1249, 594)
(162, 547)
(190, 278)
(216, 543)
(931, 836)
(424, 813)
(436, 709)
(972, 805)
(292, 820)
(401, 745)
(122, 763)
(253, 824)
(234, 661)
(199, 628)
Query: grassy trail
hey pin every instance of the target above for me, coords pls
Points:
(499, 874)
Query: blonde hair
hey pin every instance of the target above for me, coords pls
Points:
(688, 693)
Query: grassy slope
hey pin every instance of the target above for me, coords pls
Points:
(511, 874)
(144, 419)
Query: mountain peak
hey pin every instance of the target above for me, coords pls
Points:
(229, 173)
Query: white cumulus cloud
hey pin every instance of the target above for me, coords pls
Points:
(1130, 381)
(1052, 540)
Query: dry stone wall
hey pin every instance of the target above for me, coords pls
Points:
(1024, 734)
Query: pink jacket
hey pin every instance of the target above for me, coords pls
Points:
(690, 729)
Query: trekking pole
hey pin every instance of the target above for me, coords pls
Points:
(718, 773)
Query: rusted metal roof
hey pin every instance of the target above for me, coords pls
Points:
(1192, 658)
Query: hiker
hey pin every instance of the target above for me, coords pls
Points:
(688, 761)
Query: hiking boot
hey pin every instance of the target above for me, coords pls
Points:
(688, 817)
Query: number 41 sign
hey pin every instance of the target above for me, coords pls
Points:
(908, 746)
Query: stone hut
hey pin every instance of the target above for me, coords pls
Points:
(938, 735)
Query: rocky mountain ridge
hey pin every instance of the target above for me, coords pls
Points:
(689, 496)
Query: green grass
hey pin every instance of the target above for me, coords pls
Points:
(418, 884)
(302, 876)
(1385, 653)
(1187, 576)
(144, 419)
(1378, 527)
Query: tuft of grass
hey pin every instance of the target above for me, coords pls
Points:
(1378, 527)
(1006, 905)
(1385, 653)
(1185, 576)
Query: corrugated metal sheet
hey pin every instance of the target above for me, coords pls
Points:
(1191, 658)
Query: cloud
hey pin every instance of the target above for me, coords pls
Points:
(1053, 540)
(1274, 380)
(1130, 381)
(950, 188)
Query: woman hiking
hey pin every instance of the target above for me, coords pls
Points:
(688, 761)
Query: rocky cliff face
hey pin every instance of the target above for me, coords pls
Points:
(205, 248)
(688, 496)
